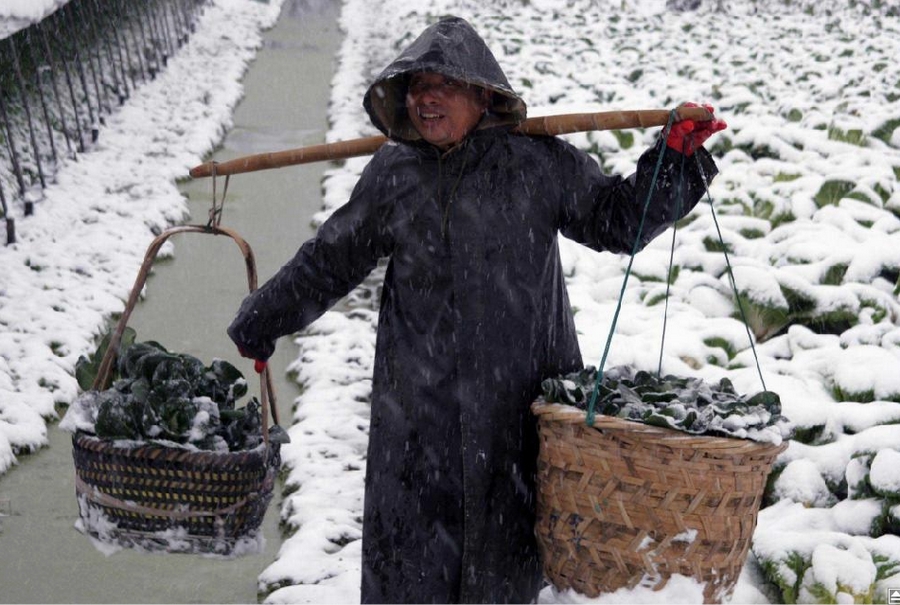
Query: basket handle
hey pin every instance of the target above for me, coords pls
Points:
(103, 374)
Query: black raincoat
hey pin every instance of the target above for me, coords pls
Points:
(474, 314)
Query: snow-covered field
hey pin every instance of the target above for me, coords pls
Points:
(807, 201)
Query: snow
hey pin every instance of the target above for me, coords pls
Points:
(680, 589)
(19, 14)
(800, 481)
(861, 368)
(34, 10)
(852, 570)
(789, 83)
(885, 471)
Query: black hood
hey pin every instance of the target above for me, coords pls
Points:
(450, 47)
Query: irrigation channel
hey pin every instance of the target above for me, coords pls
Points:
(190, 300)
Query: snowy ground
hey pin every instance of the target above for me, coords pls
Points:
(807, 201)
(19, 14)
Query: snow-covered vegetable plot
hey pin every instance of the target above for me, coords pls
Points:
(686, 404)
(172, 398)
(807, 198)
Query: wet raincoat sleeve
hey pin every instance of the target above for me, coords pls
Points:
(344, 251)
(604, 212)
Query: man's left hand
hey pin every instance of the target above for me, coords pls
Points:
(687, 136)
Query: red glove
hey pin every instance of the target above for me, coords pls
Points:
(258, 364)
(686, 136)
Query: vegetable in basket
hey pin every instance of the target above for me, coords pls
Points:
(159, 395)
(690, 405)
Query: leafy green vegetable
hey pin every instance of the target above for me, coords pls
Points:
(686, 404)
(157, 394)
(86, 369)
(117, 417)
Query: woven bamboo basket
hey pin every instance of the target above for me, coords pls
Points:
(167, 497)
(210, 499)
(622, 504)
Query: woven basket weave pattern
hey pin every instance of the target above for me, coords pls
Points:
(625, 503)
(216, 495)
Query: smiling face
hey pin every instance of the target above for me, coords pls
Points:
(444, 110)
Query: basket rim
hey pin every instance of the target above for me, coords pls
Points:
(569, 414)
(131, 448)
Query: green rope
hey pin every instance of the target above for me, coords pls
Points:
(679, 205)
(734, 289)
(591, 414)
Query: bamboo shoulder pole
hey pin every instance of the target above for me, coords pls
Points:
(542, 126)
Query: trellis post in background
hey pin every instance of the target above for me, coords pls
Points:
(50, 66)
(60, 77)
(11, 144)
(26, 106)
(45, 111)
(10, 223)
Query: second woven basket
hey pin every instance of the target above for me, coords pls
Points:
(621, 503)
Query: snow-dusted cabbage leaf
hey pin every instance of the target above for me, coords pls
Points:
(686, 404)
(156, 394)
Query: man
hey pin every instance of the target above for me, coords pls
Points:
(474, 311)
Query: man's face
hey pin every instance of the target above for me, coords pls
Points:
(443, 110)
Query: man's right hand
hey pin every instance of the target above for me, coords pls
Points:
(259, 365)
(687, 136)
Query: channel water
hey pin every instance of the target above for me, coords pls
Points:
(190, 299)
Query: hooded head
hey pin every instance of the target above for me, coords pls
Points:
(452, 48)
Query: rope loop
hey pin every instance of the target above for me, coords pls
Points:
(730, 271)
(679, 206)
(591, 411)
(215, 211)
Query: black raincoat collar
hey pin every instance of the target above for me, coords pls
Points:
(473, 145)
(450, 47)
